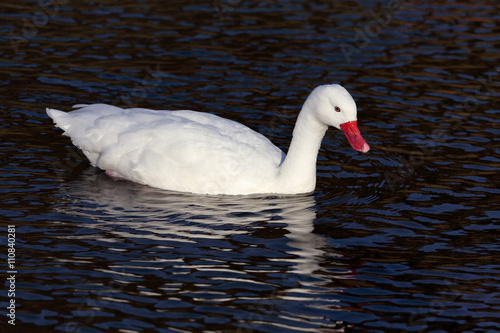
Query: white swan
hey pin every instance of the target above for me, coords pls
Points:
(202, 153)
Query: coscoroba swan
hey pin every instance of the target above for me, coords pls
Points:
(202, 153)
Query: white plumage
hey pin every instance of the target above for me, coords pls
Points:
(200, 152)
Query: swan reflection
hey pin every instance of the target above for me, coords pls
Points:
(126, 210)
(255, 254)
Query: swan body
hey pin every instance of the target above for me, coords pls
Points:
(202, 153)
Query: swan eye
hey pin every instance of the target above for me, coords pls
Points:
(337, 109)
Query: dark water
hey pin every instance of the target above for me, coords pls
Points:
(404, 238)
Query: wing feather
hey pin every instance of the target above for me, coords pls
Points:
(178, 148)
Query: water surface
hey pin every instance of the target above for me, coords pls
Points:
(401, 239)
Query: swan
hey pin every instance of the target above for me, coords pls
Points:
(198, 152)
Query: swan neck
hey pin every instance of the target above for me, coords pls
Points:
(298, 170)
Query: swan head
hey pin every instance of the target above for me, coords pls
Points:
(334, 106)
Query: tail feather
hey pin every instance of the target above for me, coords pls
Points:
(84, 128)
(60, 118)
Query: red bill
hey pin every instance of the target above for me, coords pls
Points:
(352, 133)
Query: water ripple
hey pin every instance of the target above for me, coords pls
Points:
(403, 238)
